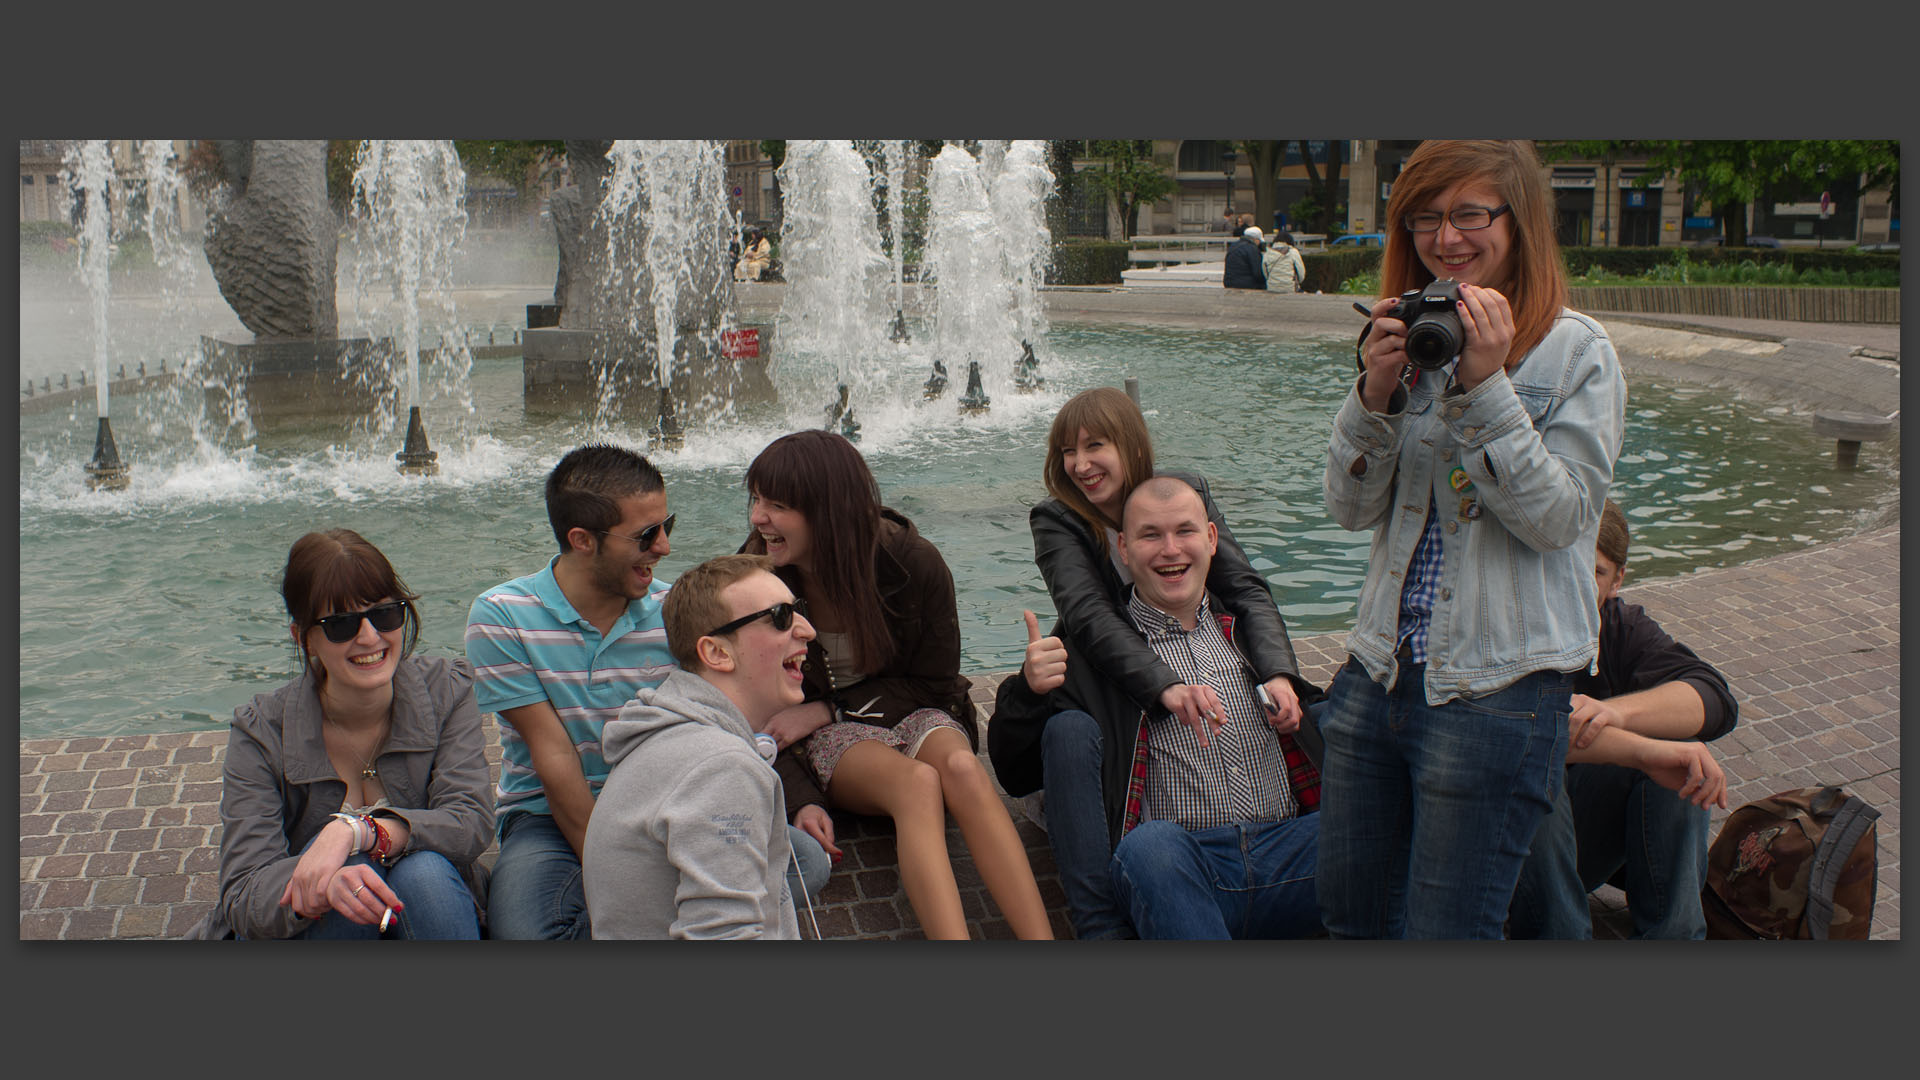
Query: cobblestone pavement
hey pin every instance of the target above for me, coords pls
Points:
(119, 837)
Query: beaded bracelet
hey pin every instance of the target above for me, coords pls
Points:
(382, 843)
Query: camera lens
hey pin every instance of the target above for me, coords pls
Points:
(1433, 339)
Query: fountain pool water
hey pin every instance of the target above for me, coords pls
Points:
(156, 609)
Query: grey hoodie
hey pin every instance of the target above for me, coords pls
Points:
(688, 838)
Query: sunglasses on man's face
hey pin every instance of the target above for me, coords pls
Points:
(345, 626)
(645, 537)
(781, 614)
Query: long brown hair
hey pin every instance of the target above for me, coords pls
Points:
(821, 475)
(1536, 277)
(338, 570)
(1112, 415)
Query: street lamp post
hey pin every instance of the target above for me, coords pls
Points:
(1229, 157)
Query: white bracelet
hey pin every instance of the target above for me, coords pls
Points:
(356, 825)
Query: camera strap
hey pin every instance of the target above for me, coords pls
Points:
(1408, 373)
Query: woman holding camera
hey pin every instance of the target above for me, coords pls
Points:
(1482, 474)
(356, 797)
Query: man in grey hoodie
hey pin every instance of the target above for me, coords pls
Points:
(689, 836)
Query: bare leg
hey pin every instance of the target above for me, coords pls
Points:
(990, 834)
(874, 778)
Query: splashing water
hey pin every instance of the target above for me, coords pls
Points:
(1020, 191)
(667, 224)
(835, 267)
(973, 313)
(898, 151)
(410, 216)
(89, 168)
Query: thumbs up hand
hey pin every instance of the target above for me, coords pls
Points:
(1045, 667)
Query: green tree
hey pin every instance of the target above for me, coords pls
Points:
(1265, 157)
(1325, 193)
(1128, 174)
(1733, 173)
(517, 161)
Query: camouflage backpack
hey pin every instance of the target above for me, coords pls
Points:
(1800, 864)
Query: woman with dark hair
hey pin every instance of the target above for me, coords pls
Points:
(356, 797)
(1483, 481)
(1098, 451)
(886, 727)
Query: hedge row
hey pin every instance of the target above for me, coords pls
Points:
(1087, 262)
(1634, 261)
(1327, 269)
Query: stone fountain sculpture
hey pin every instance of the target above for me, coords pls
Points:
(272, 246)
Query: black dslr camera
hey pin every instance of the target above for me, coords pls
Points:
(1434, 334)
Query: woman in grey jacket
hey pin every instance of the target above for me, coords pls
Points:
(355, 798)
(1482, 481)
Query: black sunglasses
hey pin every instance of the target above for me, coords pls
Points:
(782, 615)
(345, 626)
(648, 534)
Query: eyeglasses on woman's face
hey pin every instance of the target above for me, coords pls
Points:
(1464, 218)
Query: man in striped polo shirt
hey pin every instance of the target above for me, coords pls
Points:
(556, 654)
(1220, 841)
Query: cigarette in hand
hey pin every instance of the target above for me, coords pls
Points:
(385, 919)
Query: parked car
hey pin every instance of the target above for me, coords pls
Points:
(1365, 239)
(1762, 241)
(1888, 246)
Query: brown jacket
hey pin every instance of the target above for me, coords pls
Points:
(916, 589)
(281, 789)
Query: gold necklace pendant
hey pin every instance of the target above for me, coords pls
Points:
(370, 772)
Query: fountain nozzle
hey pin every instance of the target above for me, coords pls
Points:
(666, 433)
(841, 412)
(106, 470)
(975, 400)
(1026, 370)
(414, 457)
(936, 382)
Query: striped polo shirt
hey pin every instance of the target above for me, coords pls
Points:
(527, 644)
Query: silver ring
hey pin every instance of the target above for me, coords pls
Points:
(356, 890)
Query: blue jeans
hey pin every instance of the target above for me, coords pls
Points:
(436, 905)
(1070, 746)
(1426, 811)
(1614, 817)
(536, 891)
(815, 868)
(1232, 881)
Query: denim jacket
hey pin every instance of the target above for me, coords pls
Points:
(1516, 592)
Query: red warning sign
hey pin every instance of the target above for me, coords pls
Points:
(740, 344)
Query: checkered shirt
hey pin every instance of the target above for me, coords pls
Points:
(1423, 578)
(1242, 776)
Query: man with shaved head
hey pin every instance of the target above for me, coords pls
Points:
(1218, 838)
